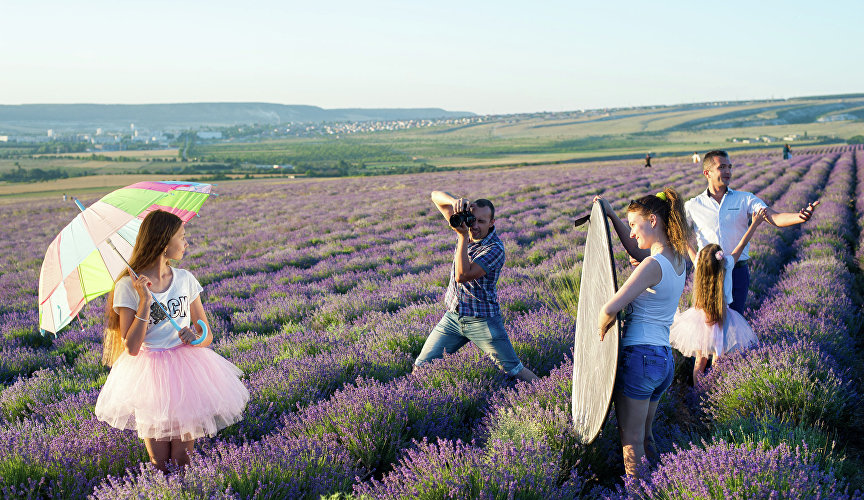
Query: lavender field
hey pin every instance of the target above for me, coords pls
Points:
(323, 292)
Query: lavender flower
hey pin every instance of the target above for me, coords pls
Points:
(786, 380)
(448, 469)
(723, 470)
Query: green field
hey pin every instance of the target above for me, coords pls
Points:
(538, 138)
(545, 137)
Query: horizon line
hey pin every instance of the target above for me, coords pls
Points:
(173, 103)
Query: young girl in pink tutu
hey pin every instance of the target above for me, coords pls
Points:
(168, 390)
(711, 328)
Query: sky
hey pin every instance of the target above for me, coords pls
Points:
(485, 57)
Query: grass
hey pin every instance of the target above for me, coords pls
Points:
(98, 185)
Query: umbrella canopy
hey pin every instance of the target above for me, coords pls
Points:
(80, 265)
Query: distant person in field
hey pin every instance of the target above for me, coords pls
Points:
(710, 328)
(648, 160)
(722, 215)
(656, 232)
(473, 313)
(696, 158)
(64, 196)
(787, 151)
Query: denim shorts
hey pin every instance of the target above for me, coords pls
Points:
(645, 371)
(454, 331)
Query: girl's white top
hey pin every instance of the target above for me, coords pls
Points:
(654, 309)
(727, 278)
(176, 299)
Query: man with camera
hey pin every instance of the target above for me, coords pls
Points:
(473, 313)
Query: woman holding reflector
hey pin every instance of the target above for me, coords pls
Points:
(656, 232)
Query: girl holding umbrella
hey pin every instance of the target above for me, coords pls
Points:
(161, 384)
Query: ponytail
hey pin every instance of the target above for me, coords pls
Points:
(708, 285)
(666, 205)
(677, 230)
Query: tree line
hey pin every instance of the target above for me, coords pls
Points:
(21, 174)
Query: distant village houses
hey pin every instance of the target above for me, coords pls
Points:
(208, 135)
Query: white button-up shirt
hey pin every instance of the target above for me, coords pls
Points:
(722, 223)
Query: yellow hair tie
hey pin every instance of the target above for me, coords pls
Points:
(662, 196)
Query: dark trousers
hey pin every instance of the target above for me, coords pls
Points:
(740, 286)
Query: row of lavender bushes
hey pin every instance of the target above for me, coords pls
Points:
(325, 321)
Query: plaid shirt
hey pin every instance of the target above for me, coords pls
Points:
(478, 297)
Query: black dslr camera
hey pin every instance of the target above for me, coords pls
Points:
(458, 218)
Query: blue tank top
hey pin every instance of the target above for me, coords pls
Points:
(654, 309)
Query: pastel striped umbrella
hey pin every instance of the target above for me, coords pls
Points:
(80, 264)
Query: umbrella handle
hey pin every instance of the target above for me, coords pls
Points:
(203, 333)
(200, 323)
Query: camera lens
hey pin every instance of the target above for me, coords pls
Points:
(457, 219)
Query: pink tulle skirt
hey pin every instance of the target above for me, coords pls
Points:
(690, 335)
(181, 393)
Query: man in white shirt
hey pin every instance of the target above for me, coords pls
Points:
(695, 157)
(722, 215)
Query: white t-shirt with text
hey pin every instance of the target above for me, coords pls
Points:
(176, 299)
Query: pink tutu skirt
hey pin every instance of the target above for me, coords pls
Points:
(691, 336)
(181, 393)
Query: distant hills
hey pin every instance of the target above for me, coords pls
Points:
(185, 115)
(707, 116)
(692, 117)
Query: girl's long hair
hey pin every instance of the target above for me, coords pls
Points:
(666, 205)
(155, 233)
(708, 285)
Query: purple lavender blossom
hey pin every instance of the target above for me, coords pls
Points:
(448, 469)
(723, 470)
(795, 381)
(374, 420)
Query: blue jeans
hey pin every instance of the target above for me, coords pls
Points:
(740, 286)
(645, 371)
(454, 331)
